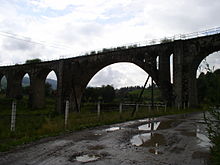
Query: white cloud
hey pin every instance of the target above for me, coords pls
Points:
(120, 75)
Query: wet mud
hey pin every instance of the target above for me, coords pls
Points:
(174, 139)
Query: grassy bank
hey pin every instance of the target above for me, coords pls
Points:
(32, 125)
(213, 128)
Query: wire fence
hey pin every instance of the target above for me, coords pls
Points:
(122, 107)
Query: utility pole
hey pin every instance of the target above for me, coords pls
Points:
(139, 98)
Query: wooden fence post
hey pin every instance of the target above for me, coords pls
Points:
(13, 115)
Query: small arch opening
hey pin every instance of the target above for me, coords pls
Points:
(51, 89)
(171, 68)
(3, 85)
(157, 61)
(25, 83)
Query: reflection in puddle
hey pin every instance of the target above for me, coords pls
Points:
(113, 129)
(149, 126)
(150, 138)
(144, 120)
(155, 151)
(156, 140)
(204, 141)
(87, 158)
(97, 134)
(138, 140)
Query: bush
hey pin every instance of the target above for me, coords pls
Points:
(213, 128)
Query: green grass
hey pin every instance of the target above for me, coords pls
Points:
(32, 124)
(147, 94)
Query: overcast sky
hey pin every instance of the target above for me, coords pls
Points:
(65, 28)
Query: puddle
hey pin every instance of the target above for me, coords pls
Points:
(149, 126)
(87, 158)
(204, 141)
(147, 119)
(139, 140)
(113, 129)
(98, 134)
(155, 140)
(148, 139)
(84, 157)
(155, 151)
(169, 124)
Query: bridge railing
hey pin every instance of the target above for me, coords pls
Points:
(186, 36)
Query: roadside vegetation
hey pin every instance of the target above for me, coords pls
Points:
(32, 125)
(213, 128)
(209, 94)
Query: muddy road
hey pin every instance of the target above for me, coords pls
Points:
(173, 140)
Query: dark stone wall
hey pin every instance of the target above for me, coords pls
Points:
(74, 74)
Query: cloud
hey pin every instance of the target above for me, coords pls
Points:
(119, 74)
(15, 44)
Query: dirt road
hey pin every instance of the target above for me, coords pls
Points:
(173, 140)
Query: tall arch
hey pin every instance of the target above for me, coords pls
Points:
(80, 86)
(110, 73)
(38, 87)
(116, 75)
(3, 84)
(114, 71)
(14, 78)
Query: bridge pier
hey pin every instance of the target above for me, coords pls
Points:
(178, 73)
(14, 86)
(37, 92)
(69, 86)
(185, 87)
(164, 77)
(192, 89)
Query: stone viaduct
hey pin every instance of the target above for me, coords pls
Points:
(73, 74)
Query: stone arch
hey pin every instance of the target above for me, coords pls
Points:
(94, 72)
(3, 89)
(82, 80)
(127, 65)
(200, 61)
(25, 85)
(37, 83)
(15, 81)
(51, 85)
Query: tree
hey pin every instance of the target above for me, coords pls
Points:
(94, 94)
(165, 40)
(108, 93)
(48, 89)
(36, 60)
(209, 87)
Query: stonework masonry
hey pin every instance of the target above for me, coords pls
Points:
(73, 74)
